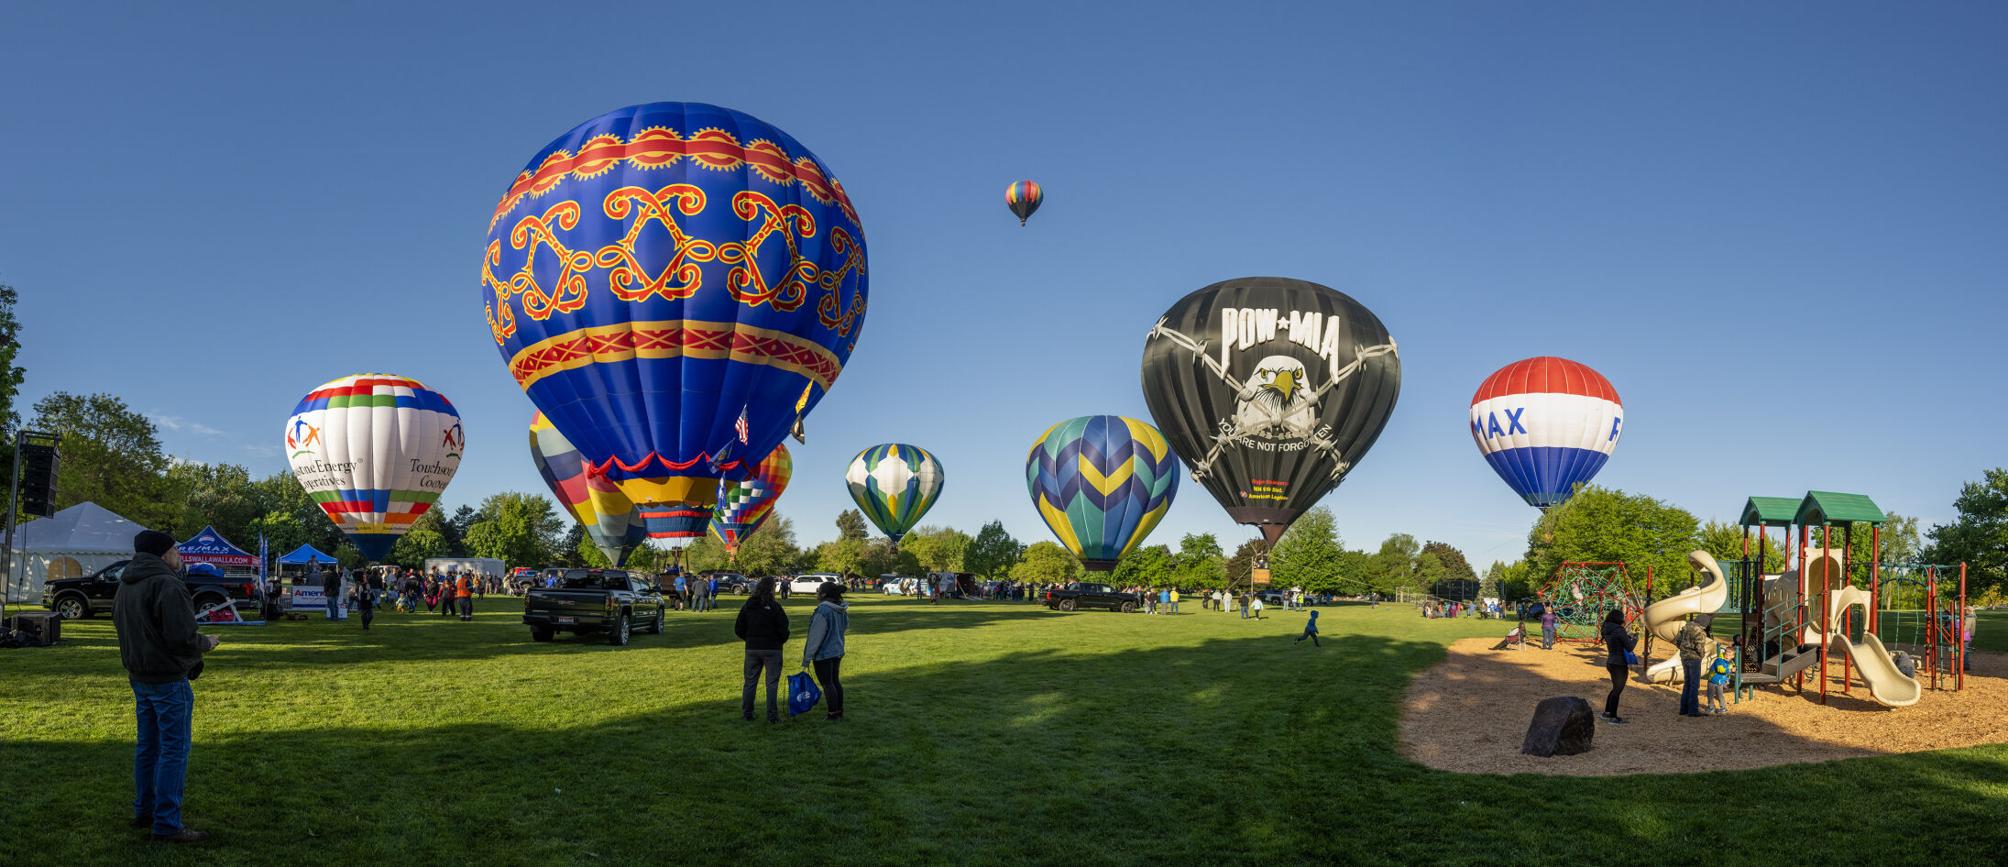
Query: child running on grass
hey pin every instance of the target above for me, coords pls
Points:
(1718, 677)
(1311, 629)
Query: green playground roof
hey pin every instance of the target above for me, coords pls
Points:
(1769, 510)
(1828, 507)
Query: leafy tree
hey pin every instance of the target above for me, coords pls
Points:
(219, 495)
(938, 549)
(567, 552)
(1725, 541)
(881, 558)
(1602, 524)
(1394, 567)
(705, 553)
(993, 552)
(1199, 563)
(11, 374)
(423, 542)
(517, 528)
(851, 525)
(770, 550)
(1455, 566)
(1978, 536)
(844, 556)
(1240, 567)
(1309, 553)
(282, 531)
(1049, 563)
(1149, 566)
(110, 456)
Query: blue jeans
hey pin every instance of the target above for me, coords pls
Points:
(334, 608)
(160, 760)
(1547, 637)
(1690, 686)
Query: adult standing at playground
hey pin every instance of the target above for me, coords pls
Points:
(763, 625)
(1692, 641)
(162, 651)
(1547, 627)
(1618, 645)
(824, 649)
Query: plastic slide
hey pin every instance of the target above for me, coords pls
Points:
(1887, 684)
(1665, 617)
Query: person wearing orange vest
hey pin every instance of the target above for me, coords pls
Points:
(464, 589)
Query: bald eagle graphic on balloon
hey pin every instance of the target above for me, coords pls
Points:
(1277, 402)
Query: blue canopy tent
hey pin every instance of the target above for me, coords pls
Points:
(304, 555)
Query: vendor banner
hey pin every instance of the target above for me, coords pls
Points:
(209, 546)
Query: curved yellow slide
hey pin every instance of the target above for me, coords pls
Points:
(1888, 685)
(1665, 617)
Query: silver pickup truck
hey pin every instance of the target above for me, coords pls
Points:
(609, 601)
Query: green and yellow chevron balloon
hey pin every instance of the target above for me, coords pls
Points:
(894, 484)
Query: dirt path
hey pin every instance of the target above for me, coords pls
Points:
(1469, 714)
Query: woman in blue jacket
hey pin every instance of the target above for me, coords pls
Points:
(825, 648)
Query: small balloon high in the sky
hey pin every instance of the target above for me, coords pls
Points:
(1023, 198)
(1546, 425)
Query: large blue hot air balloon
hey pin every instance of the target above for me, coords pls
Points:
(674, 285)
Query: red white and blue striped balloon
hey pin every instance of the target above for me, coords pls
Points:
(1546, 425)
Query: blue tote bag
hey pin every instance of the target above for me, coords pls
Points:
(803, 693)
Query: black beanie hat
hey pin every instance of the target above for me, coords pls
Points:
(152, 542)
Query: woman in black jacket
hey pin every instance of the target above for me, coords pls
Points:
(763, 625)
(1617, 645)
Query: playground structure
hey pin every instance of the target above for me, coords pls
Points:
(1583, 592)
(1804, 620)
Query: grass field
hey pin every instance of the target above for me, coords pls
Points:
(977, 733)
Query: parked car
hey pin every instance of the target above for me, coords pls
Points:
(729, 582)
(612, 601)
(811, 582)
(1081, 594)
(91, 595)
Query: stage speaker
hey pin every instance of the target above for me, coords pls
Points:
(38, 628)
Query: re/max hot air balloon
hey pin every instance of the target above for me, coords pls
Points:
(894, 484)
(1546, 425)
(665, 281)
(606, 514)
(375, 451)
(1023, 198)
(1271, 390)
(1101, 482)
(744, 505)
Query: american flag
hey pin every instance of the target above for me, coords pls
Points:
(741, 426)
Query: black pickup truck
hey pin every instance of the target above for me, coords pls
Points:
(1081, 594)
(612, 601)
(91, 595)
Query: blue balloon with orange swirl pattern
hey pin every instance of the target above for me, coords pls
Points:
(675, 285)
(1102, 483)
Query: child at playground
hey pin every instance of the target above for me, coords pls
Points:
(1718, 678)
(1311, 629)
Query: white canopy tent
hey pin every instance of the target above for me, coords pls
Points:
(76, 541)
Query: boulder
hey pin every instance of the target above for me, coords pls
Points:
(1562, 726)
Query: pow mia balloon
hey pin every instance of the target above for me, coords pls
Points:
(1271, 390)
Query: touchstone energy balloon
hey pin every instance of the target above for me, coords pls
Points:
(1271, 389)
(744, 505)
(665, 281)
(610, 520)
(894, 484)
(1102, 483)
(1546, 425)
(1023, 198)
(375, 451)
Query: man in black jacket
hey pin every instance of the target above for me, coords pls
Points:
(162, 651)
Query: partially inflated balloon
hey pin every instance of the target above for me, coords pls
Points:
(665, 281)
(1101, 482)
(1270, 389)
(1023, 198)
(1546, 425)
(375, 451)
(744, 505)
(607, 516)
(894, 484)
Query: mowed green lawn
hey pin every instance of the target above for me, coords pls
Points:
(977, 733)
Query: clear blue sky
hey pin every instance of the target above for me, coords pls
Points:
(1780, 229)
